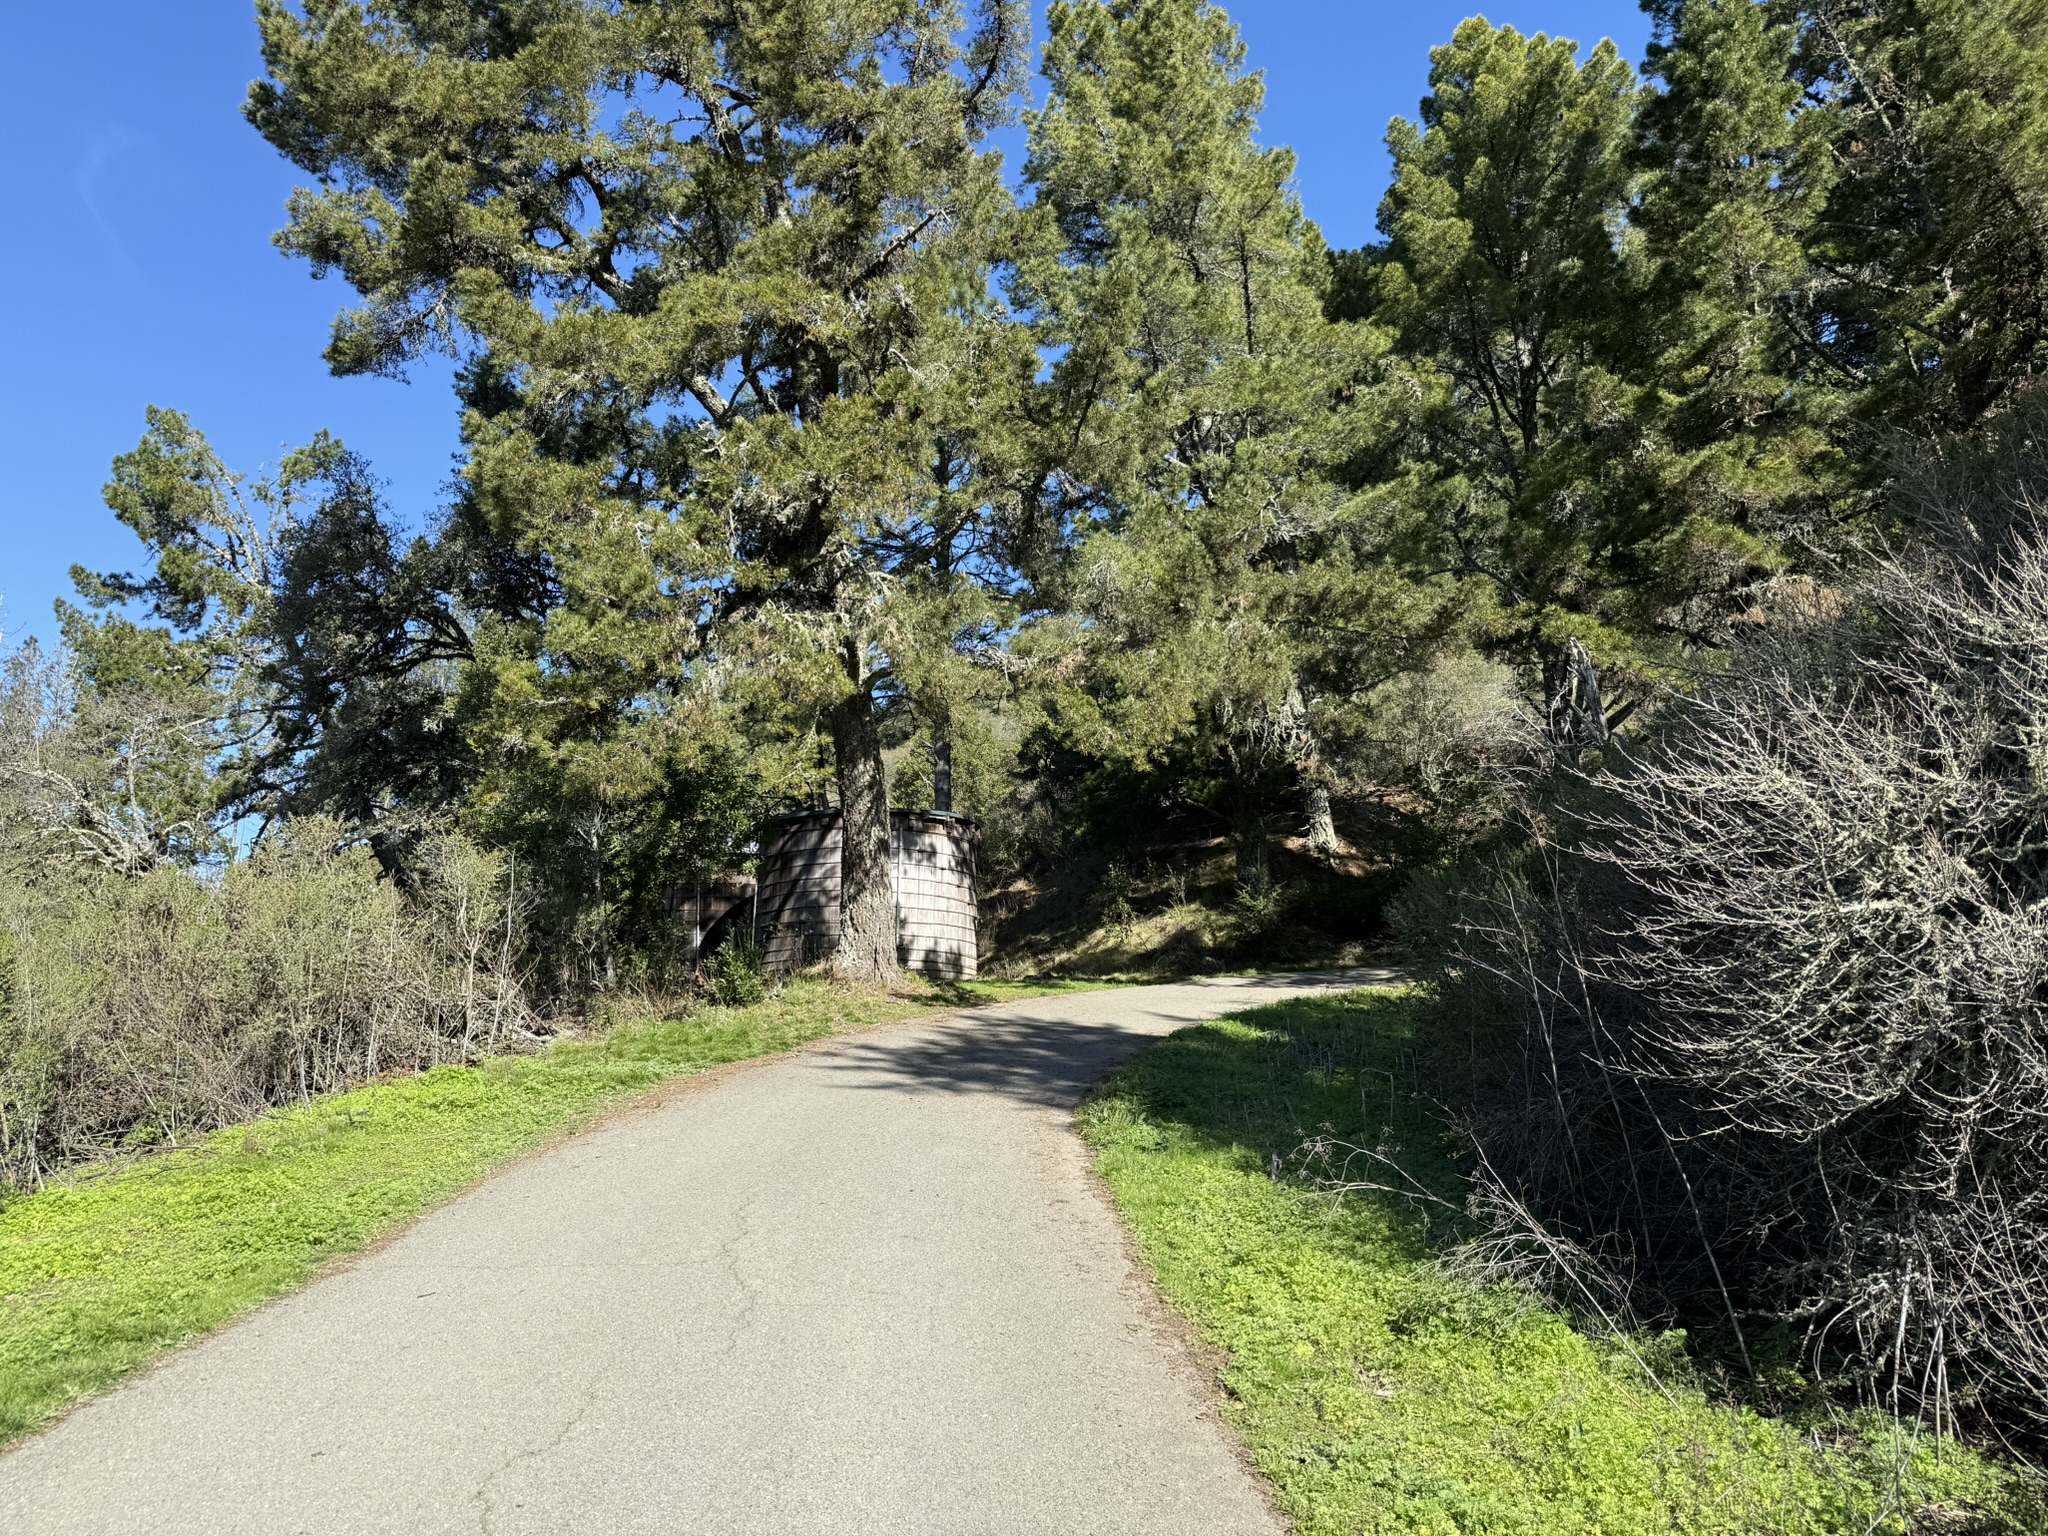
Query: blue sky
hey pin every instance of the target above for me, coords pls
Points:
(140, 209)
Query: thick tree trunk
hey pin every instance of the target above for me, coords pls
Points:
(1254, 873)
(867, 888)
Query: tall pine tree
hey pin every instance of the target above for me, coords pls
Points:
(723, 275)
(1740, 457)
(1201, 403)
(1511, 298)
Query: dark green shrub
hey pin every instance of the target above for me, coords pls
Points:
(735, 975)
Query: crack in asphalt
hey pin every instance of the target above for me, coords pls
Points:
(745, 1286)
(481, 1498)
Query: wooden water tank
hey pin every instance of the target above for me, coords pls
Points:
(796, 914)
(796, 921)
(935, 910)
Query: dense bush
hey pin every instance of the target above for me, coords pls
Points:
(1778, 981)
(735, 975)
(134, 1010)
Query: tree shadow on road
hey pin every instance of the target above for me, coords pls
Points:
(1037, 1053)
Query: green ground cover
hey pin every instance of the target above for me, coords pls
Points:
(1379, 1395)
(103, 1270)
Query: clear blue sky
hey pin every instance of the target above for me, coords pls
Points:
(140, 209)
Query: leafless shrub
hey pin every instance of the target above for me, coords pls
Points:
(1779, 986)
(1456, 732)
(135, 1010)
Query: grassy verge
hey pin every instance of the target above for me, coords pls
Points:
(104, 1270)
(1378, 1395)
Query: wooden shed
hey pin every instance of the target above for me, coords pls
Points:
(796, 919)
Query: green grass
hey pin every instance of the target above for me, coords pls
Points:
(103, 1270)
(1378, 1395)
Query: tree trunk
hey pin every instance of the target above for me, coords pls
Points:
(867, 889)
(1249, 838)
(1577, 714)
(1322, 821)
(942, 769)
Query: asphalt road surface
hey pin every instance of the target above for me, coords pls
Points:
(866, 1288)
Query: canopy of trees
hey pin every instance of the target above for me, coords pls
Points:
(808, 446)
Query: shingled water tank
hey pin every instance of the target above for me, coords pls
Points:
(796, 921)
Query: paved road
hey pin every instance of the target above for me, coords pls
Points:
(868, 1288)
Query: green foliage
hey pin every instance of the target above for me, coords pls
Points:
(1117, 889)
(735, 975)
(1934, 236)
(188, 706)
(606, 829)
(792, 437)
(1516, 311)
(1660, 341)
(309, 666)
(781, 414)
(739, 385)
(1732, 174)
(367, 636)
(1232, 600)
(1262, 902)
(1501, 266)
(1379, 1394)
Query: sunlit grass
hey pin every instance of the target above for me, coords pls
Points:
(1379, 1395)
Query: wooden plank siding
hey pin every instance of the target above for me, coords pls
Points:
(935, 907)
(932, 859)
(797, 920)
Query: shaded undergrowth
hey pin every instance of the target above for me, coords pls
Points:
(1381, 1394)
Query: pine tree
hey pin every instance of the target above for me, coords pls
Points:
(1512, 299)
(1597, 296)
(175, 668)
(1934, 237)
(1739, 451)
(722, 272)
(1201, 404)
